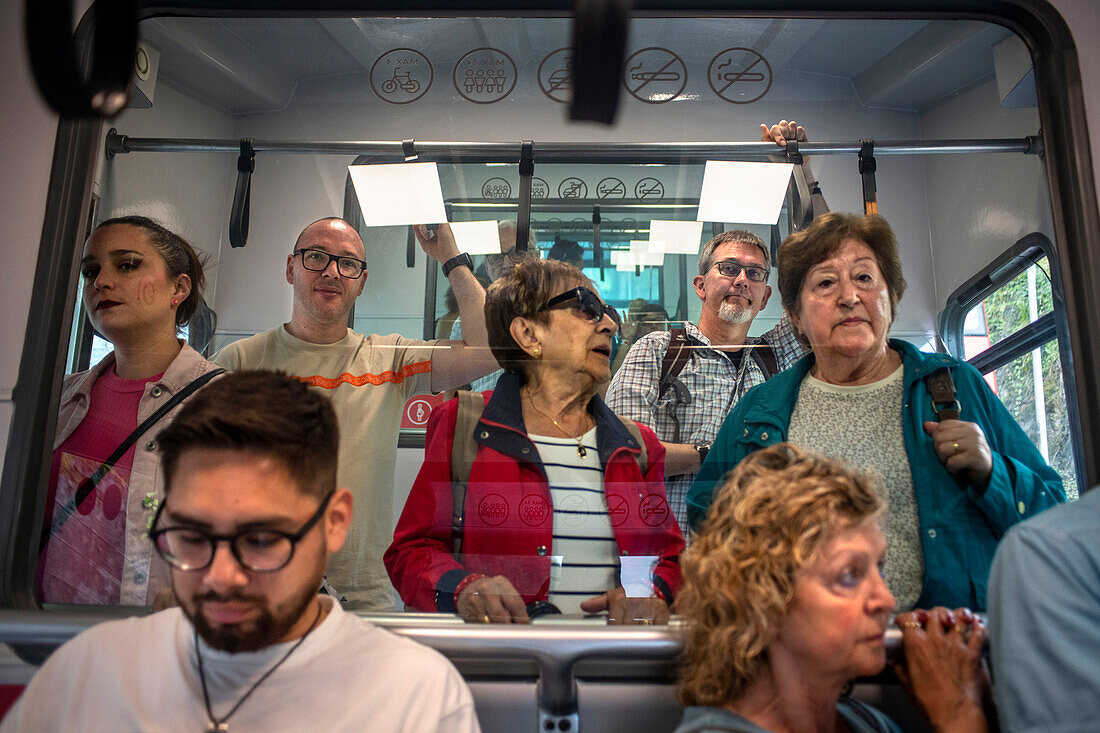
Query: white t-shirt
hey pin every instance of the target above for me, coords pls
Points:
(141, 675)
(369, 379)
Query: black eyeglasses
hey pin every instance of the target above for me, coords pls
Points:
(733, 268)
(318, 260)
(257, 550)
(515, 255)
(588, 303)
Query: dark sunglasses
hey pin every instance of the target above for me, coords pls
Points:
(588, 303)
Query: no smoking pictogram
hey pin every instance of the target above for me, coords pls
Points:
(739, 75)
(649, 189)
(654, 75)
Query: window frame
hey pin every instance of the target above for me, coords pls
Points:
(1069, 172)
(1053, 326)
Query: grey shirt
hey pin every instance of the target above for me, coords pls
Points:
(861, 718)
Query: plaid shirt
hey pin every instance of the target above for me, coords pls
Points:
(711, 379)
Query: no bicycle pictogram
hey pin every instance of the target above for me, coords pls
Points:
(654, 75)
(739, 75)
(401, 75)
(485, 75)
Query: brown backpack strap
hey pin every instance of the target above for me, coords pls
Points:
(765, 354)
(636, 432)
(942, 389)
(676, 358)
(463, 453)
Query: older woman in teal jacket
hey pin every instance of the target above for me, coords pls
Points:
(953, 486)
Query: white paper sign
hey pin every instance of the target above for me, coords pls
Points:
(677, 237)
(477, 237)
(745, 193)
(396, 194)
(648, 254)
(625, 261)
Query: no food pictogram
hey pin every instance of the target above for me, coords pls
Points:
(654, 75)
(556, 75)
(739, 75)
(572, 188)
(485, 75)
(401, 75)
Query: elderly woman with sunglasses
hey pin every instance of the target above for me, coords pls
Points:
(563, 501)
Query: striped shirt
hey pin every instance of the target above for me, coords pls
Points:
(585, 559)
(711, 378)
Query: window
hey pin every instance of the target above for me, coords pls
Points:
(1005, 323)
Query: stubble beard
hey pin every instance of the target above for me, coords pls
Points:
(263, 631)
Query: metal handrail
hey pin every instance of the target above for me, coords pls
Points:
(560, 152)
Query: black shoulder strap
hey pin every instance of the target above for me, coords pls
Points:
(765, 354)
(676, 358)
(88, 485)
(463, 453)
(942, 389)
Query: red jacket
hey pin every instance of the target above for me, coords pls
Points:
(509, 520)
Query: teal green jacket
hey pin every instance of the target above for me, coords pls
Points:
(959, 525)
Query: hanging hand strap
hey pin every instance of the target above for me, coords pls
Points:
(523, 215)
(867, 167)
(242, 196)
(87, 486)
(463, 453)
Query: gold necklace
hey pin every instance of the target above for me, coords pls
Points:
(581, 451)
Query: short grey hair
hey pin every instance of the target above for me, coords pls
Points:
(706, 257)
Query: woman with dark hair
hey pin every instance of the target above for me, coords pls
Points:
(141, 284)
(956, 469)
(563, 501)
(784, 604)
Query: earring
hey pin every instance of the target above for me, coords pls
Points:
(536, 352)
(175, 301)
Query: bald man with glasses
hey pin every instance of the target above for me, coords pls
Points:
(368, 377)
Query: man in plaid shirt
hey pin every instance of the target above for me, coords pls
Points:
(721, 366)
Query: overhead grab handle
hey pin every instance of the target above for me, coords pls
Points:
(242, 196)
(408, 150)
(867, 167)
(597, 246)
(802, 210)
(599, 49)
(103, 89)
(523, 216)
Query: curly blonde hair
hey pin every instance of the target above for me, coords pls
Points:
(768, 521)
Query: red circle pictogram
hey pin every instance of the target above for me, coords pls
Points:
(617, 510)
(653, 510)
(493, 510)
(534, 510)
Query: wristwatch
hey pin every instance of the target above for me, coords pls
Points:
(462, 259)
(702, 449)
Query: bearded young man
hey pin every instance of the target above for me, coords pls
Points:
(251, 515)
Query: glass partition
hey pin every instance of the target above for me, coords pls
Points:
(316, 95)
